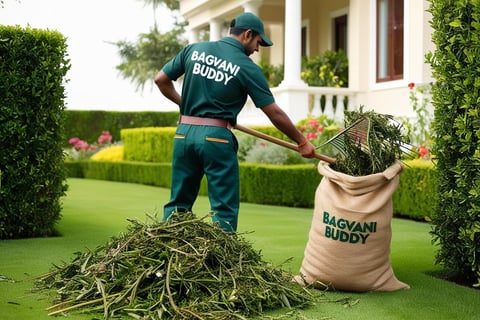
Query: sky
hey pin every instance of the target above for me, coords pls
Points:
(89, 26)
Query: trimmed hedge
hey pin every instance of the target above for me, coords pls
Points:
(154, 144)
(417, 196)
(148, 144)
(147, 173)
(283, 185)
(148, 153)
(33, 65)
(292, 185)
(89, 124)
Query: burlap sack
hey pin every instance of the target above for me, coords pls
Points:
(349, 241)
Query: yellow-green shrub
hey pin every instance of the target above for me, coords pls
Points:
(153, 144)
(112, 153)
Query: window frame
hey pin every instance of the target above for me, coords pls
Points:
(391, 51)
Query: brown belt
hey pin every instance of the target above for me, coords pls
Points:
(199, 121)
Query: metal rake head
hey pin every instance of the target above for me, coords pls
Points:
(407, 149)
(357, 134)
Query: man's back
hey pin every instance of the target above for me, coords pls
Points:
(218, 78)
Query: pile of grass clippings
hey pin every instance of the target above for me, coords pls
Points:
(386, 142)
(184, 268)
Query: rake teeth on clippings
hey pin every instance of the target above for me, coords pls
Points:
(357, 133)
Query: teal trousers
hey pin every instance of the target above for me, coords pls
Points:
(209, 151)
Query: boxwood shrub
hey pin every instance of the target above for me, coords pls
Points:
(456, 95)
(33, 65)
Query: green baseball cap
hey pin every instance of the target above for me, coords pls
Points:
(248, 20)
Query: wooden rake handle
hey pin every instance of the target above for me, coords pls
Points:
(280, 142)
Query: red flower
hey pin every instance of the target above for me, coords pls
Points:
(423, 151)
(411, 85)
(320, 129)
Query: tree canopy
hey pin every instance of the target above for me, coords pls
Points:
(143, 58)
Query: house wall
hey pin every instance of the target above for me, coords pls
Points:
(319, 17)
(273, 16)
(387, 97)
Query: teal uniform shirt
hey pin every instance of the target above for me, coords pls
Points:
(218, 77)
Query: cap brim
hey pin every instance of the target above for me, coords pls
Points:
(266, 42)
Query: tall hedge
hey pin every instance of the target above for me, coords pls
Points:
(456, 96)
(33, 65)
(89, 124)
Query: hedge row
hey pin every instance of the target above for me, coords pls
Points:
(417, 196)
(154, 144)
(292, 185)
(148, 144)
(89, 124)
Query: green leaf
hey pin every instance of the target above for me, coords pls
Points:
(455, 23)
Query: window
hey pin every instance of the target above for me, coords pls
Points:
(304, 41)
(389, 40)
(340, 33)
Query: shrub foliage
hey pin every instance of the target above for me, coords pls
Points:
(456, 94)
(32, 66)
(86, 124)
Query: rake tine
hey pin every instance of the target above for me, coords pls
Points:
(339, 146)
(409, 150)
(357, 132)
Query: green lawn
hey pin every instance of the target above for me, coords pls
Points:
(94, 211)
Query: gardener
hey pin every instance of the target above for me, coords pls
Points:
(218, 77)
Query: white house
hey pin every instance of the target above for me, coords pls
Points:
(385, 40)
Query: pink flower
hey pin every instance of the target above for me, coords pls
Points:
(313, 123)
(105, 137)
(81, 145)
(411, 85)
(73, 141)
(311, 135)
(320, 129)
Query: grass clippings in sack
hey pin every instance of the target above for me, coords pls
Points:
(386, 141)
(184, 268)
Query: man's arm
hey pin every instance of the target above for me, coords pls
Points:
(283, 123)
(165, 84)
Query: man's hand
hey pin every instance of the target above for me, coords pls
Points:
(307, 150)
